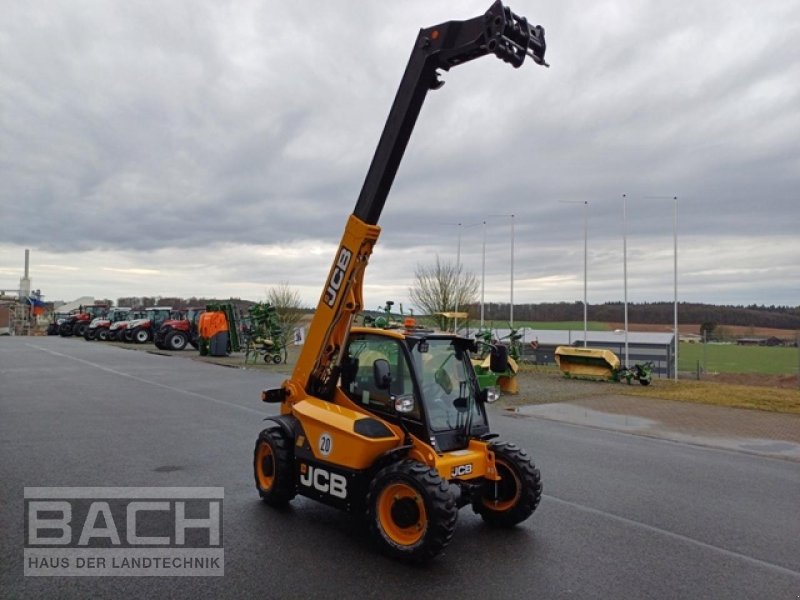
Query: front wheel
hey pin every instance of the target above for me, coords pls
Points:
(412, 511)
(273, 466)
(177, 340)
(516, 495)
(141, 336)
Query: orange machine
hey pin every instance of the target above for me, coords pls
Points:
(390, 422)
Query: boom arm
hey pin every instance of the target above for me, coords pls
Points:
(500, 32)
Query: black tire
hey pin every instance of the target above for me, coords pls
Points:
(126, 335)
(80, 328)
(89, 334)
(176, 340)
(65, 330)
(514, 498)
(412, 511)
(273, 467)
(644, 381)
(277, 359)
(102, 335)
(140, 336)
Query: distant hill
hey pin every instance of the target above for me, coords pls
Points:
(656, 313)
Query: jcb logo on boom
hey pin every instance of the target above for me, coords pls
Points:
(323, 481)
(337, 277)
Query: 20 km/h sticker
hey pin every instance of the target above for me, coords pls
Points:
(325, 444)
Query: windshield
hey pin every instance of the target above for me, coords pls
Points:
(447, 391)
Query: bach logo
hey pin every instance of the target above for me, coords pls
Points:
(123, 531)
(337, 276)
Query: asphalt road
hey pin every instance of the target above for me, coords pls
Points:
(622, 517)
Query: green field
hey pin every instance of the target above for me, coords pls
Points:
(730, 358)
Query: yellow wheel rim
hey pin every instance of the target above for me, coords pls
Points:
(402, 515)
(265, 466)
(503, 495)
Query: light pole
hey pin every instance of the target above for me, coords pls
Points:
(674, 268)
(625, 267)
(483, 272)
(511, 310)
(458, 276)
(585, 264)
(674, 276)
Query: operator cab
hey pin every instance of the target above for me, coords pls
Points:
(422, 381)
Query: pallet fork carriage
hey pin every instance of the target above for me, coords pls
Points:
(392, 423)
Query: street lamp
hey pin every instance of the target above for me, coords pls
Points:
(483, 272)
(458, 276)
(511, 310)
(625, 267)
(585, 264)
(674, 274)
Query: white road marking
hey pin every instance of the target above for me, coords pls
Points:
(675, 536)
(148, 381)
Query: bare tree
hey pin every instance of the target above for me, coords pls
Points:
(288, 307)
(441, 287)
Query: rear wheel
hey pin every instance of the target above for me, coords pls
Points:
(102, 335)
(273, 466)
(412, 511)
(176, 340)
(89, 334)
(516, 495)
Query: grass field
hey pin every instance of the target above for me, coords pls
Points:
(730, 358)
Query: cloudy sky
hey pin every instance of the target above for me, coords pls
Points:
(212, 148)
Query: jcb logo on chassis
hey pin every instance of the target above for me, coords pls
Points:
(337, 277)
(323, 481)
(460, 470)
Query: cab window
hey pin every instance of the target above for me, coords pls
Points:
(358, 381)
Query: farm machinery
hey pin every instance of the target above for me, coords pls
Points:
(504, 380)
(141, 330)
(218, 330)
(264, 335)
(100, 327)
(78, 321)
(600, 363)
(176, 334)
(392, 423)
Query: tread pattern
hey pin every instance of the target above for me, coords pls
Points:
(440, 507)
(283, 487)
(530, 495)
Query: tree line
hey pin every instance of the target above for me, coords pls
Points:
(778, 317)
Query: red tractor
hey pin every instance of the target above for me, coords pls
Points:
(78, 321)
(175, 334)
(141, 330)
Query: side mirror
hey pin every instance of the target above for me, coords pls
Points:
(498, 362)
(381, 374)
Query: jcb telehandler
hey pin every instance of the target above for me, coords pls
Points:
(392, 423)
